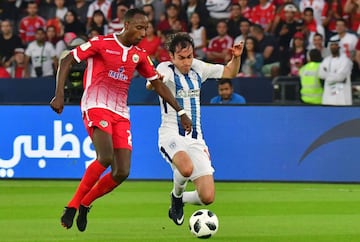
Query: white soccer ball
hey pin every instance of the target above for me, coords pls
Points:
(203, 223)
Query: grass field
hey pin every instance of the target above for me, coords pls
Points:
(137, 211)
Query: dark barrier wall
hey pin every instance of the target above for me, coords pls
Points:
(246, 143)
(41, 90)
(27, 90)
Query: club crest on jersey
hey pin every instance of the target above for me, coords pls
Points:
(135, 58)
(104, 123)
(118, 75)
(172, 145)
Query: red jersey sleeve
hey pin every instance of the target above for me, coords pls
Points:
(87, 49)
(146, 68)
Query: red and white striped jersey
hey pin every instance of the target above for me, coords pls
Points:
(110, 68)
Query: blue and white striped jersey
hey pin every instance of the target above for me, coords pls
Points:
(186, 90)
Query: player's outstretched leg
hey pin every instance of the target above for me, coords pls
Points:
(81, 220)
(68, 217)
(176, 211)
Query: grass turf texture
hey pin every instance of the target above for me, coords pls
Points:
(137, 211)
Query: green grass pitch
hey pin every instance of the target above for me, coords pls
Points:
(137, 211)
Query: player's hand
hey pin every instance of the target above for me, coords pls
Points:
(186, 123)
(237, 49)
(57, 104)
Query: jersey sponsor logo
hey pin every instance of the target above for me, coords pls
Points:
(118, 75)
(113, 52)
(135, 58)
(188, 93)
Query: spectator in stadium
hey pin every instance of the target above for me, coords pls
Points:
(182, 13)
(103, 5)
(8, 42)
(159, 7)
(72, 24)
(197, 6)
(318, 43)
(187, 154)
(57, 41)
(336, 71)
(317, 7)
(218, 50)
(252, 60)
(269, 49)
(311, 27)
(245, 8)
(244, 27)
(3, 72)
(352, 8)
(332, 11)
(115, 3)
(93, 33)
(234, 22)
(161, 53)
(40, 56)
(171, 16)
(218, 10)
(311, 90)
(150, 13)
(60, 10)
(105, 107)
(296, 56)
(10, 11)
(99, 22)
(227, 94)
(117, 24)
(347, 40)
(150, 42)
(17, 68)
(263, 14)
(282, 13)
(198, 34)
(30, 23)
(287, 27)
(80, 7)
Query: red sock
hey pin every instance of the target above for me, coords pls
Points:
(91, 176)
(106, 184)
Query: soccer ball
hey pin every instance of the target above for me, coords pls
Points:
(203, 223)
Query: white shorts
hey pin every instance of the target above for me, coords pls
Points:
(196, 149)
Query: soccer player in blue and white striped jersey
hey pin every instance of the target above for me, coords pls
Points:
(187, 152)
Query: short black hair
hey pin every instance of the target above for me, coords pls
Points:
(132, 12)
(225, 81)
(315, 55)
(181, 39)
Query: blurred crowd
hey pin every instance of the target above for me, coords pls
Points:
(278, 34)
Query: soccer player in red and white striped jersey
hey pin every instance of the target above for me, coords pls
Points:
(111, 62)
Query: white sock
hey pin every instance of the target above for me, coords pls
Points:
(192, 198)
(179, 183)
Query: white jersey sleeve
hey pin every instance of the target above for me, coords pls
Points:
(207, 70)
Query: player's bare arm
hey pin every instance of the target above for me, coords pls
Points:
(165, 93)
(233, 66)
(57, 103)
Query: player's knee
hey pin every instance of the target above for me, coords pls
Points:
(186, 171)
(119, 175)
(106, 160)
(207, 198)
